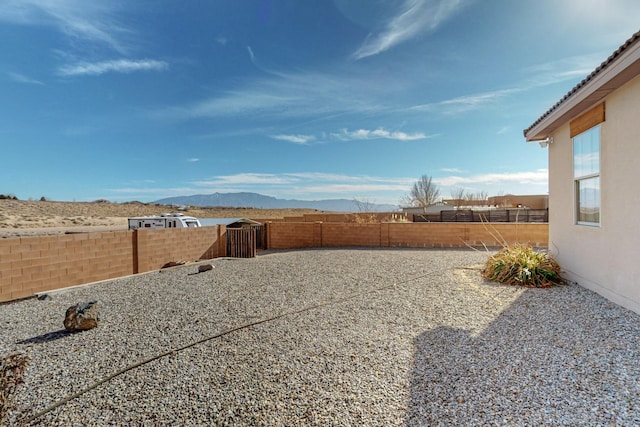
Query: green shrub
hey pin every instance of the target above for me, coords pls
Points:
(521, 265)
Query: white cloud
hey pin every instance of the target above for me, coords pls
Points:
(379, 133)
(285, 95)
(21, 78)
(538, 177)
(252, 57)
(308, 184)
(296, 139)
(466, 103)
(451, 170)
(114, 66)
(571, 68)
(193, 160)
(246, 179)
(320, 185)
(416, 18)
(87, 20)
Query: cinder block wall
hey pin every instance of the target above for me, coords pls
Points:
(341, 234)
(35, 264)
(159, 246)
(289, 235)
(30, 265)
(453, 235)
(346, 217)
(414, 235)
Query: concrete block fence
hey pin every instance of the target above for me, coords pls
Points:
(285, 235)
(30, 265)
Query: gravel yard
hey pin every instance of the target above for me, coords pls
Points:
(328, 337)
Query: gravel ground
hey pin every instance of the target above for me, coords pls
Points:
(328, 337)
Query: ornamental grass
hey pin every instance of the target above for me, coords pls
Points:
(521, 265)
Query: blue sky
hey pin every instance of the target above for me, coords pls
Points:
(314, 99)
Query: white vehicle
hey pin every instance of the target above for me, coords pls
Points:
(176, 220)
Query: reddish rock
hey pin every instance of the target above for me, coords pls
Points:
(82, 316)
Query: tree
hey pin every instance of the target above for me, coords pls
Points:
(458, 195)
(365, 209)
(423, 193)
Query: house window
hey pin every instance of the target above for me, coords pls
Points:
(586, 174)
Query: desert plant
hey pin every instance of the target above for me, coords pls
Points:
(519, 264)
(365, 218)
(11, 371)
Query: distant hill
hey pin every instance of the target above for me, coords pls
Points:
(260, 201)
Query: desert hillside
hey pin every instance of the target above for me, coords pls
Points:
(23, 218)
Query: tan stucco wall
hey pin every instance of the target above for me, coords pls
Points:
(605, 259)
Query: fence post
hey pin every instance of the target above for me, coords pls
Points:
(134, 242)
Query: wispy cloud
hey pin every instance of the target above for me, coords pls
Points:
(415, 18)
(243, 179)
(571, 68)
(91, 21)
(285, 95)
(252, 57)
(378, 134)
(114, 66)
(307, 185)
(193, 160)
(466, 103)
(574, 68)
(538, 177)
(296, 139)
(320, 185)
(21, 78)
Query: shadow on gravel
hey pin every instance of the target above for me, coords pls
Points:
(48, 337)
(553, 357)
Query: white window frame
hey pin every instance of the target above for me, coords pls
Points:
(583, 176)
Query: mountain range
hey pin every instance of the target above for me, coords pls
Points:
(260, 201)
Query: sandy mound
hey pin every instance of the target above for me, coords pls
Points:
(30, 218)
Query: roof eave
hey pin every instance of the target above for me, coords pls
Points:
(611, 77)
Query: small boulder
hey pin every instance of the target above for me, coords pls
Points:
(82, 316)
(173, 264)
(204, 267)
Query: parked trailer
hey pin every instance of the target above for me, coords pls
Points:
(176, 220)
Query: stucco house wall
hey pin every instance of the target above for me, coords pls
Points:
(602, 257)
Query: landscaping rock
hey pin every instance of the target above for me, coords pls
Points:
(204, 267)
(174, 264)
(82, 316)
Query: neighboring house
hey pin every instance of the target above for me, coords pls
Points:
(593, 135)
(435, 208)
(538, 201)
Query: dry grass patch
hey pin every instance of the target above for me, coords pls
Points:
(11, 372)
(522, 265)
